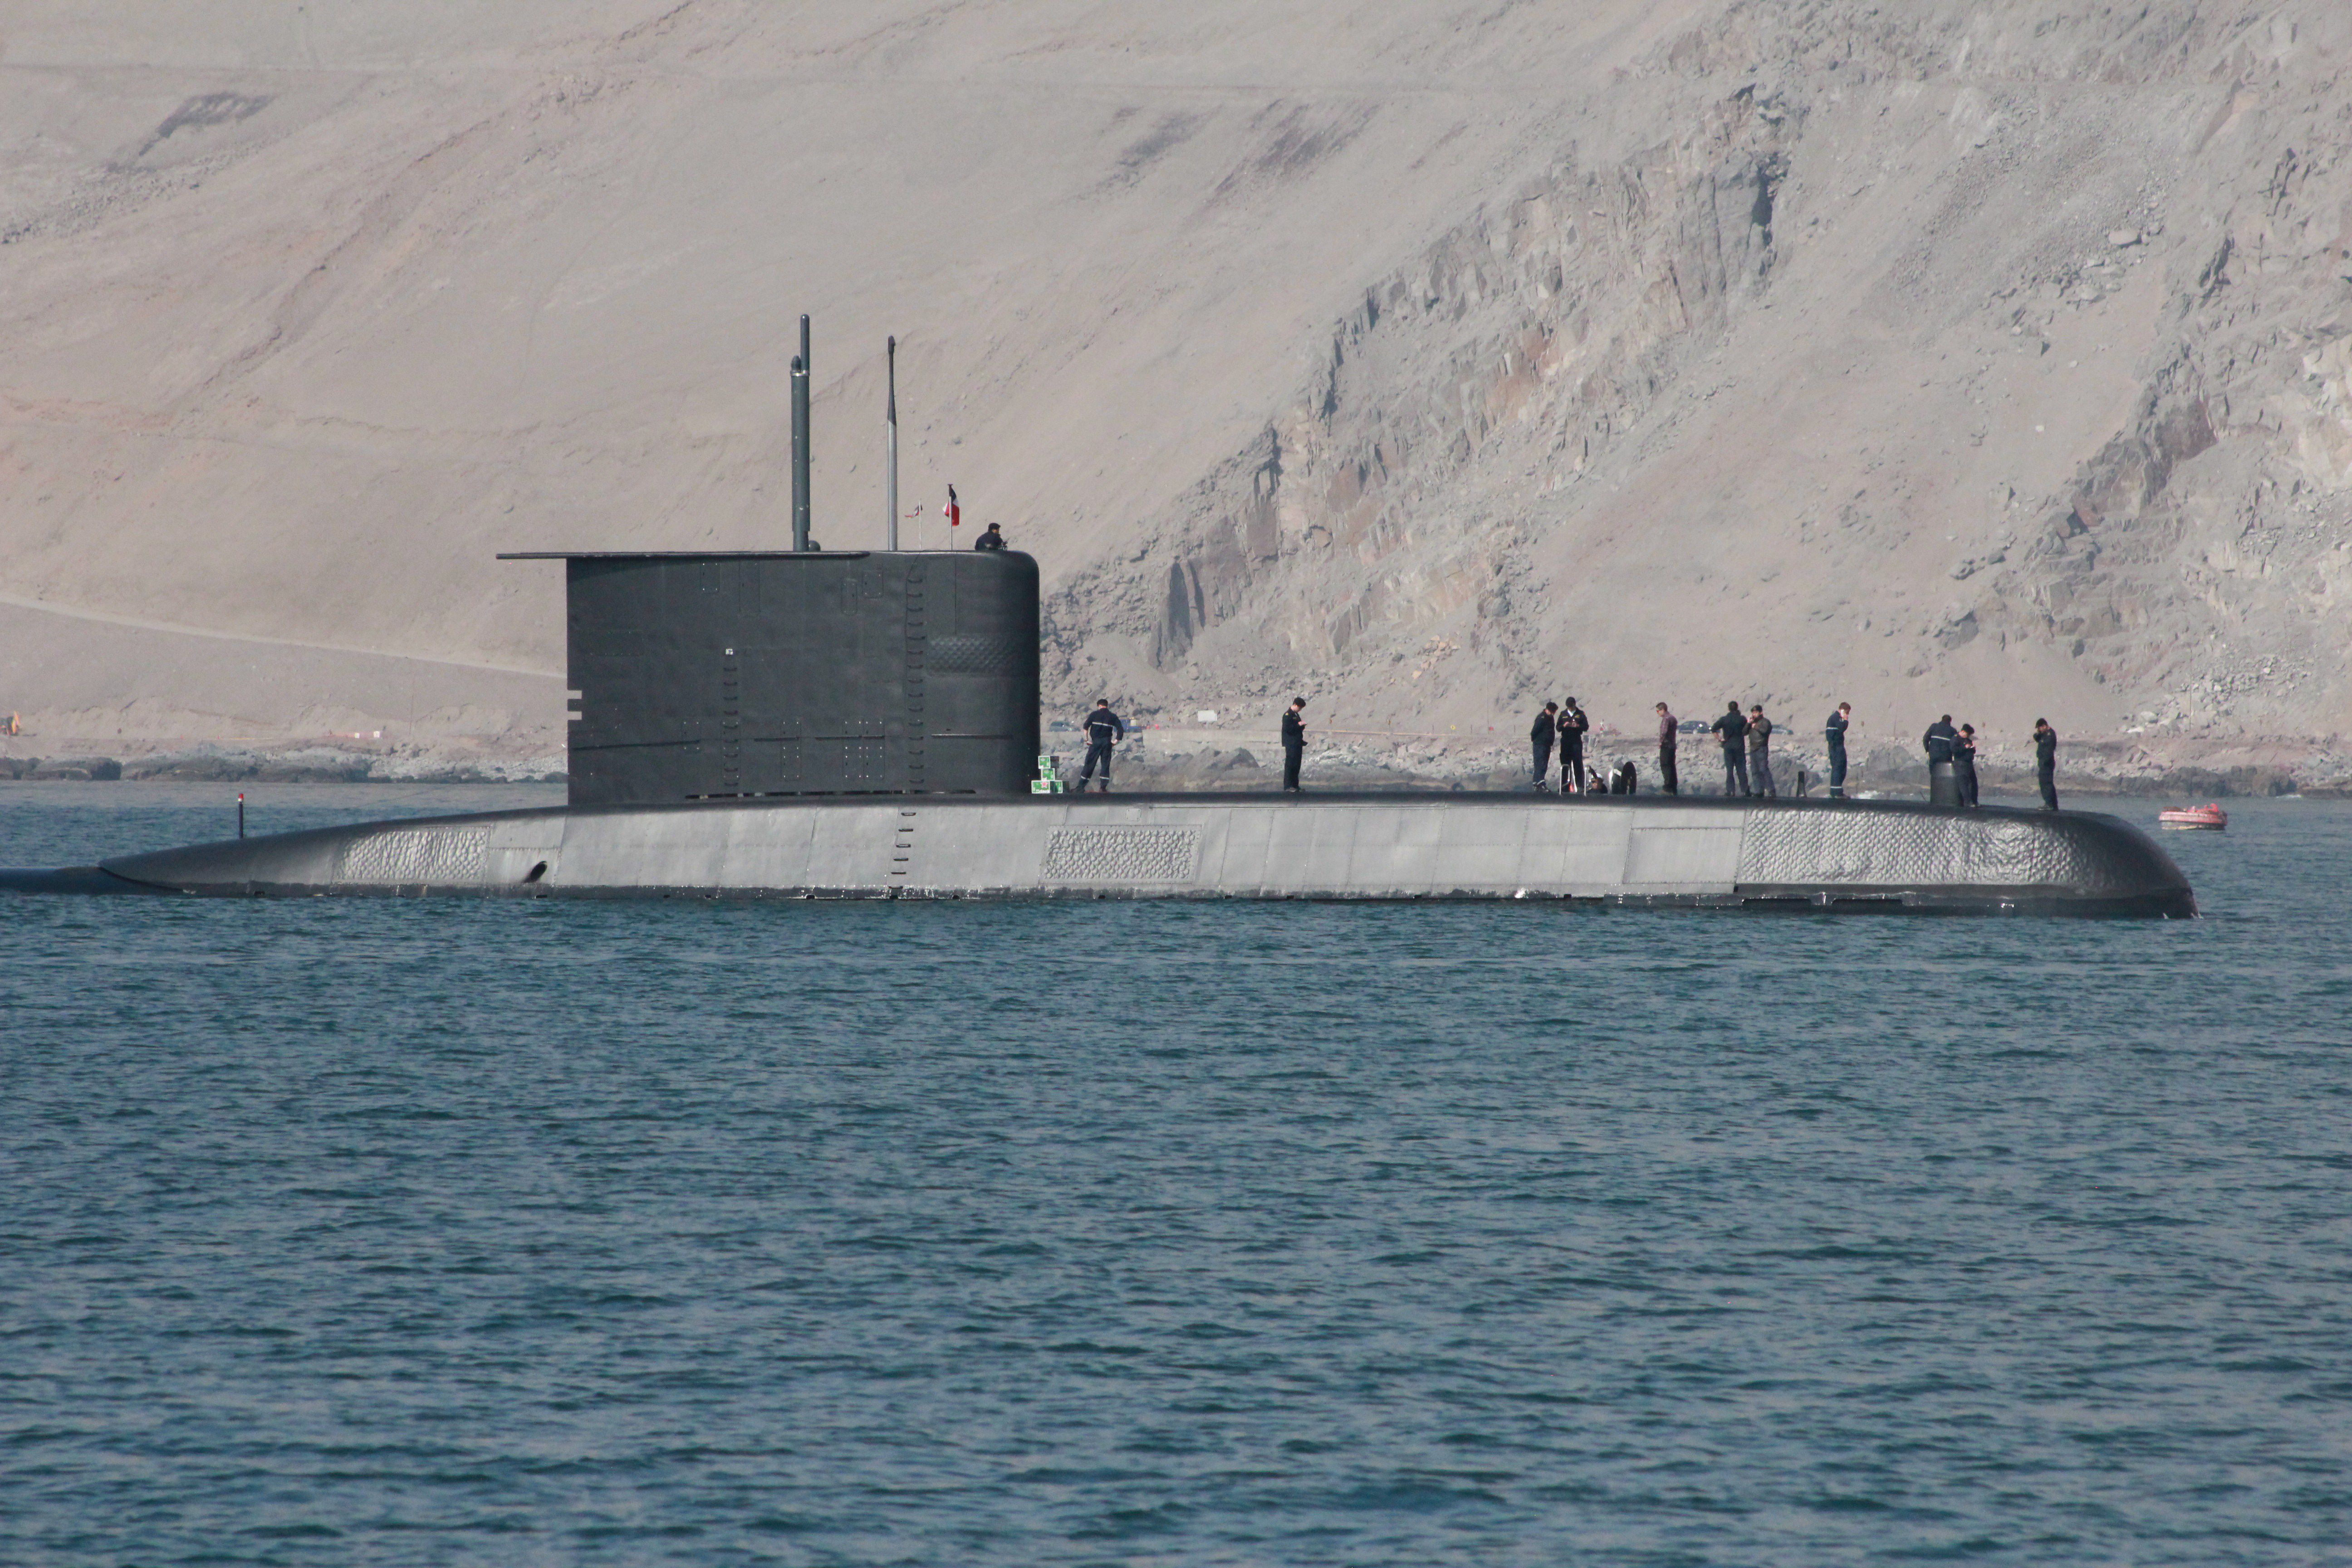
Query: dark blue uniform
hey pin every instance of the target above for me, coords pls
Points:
(1572, 727)
(1835, 730)
(1103, 728)
(1733, 731)
(1540, 738)
(1294, 747)
(1943, 784)
(2045, 765)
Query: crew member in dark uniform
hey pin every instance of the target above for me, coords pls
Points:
(1835, 730)
(1540, 738)
(1759, 753)
(1572, 726)
(1294, 743)
(1732, 729)
(1669, 737)
(993, 538)
(1104, 729)
(1964, 763)
(2045, 763)
(1943, 789)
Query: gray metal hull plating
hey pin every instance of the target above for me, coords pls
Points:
(1857, 857)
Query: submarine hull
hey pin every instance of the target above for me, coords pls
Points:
(1850, 857)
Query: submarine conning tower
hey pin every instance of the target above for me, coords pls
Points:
(732, 675)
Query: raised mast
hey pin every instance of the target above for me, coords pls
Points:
(801, 441)
(890, 439)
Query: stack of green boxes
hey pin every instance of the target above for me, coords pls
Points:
(1049, 776)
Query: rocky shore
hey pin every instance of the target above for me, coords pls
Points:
(2163, 766)
(304, 764)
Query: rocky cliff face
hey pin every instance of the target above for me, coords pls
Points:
(1952, 358)
(1993, 359)
(1511, 355)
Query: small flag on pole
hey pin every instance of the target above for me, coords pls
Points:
(951, 511)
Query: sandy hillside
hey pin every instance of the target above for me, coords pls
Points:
(1427, 358)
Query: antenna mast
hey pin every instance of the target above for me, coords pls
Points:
(890, 534)
(801, 441)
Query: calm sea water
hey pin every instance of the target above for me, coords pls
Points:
(454, 1232)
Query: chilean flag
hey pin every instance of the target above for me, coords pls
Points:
(951, 511)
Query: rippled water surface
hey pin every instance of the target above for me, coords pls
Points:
(458, 1232)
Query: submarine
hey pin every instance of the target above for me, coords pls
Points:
(811, 723)
(853, 724)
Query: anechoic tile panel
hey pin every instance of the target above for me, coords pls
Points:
(1122, 854)
(406, 856)
(1889, 850)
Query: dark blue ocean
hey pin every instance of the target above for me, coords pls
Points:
(506, 1232)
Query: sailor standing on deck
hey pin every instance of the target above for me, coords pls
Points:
(1732, 731)
(1572, 727)
(1540, 738)
(2045, 763)
(1294, 743)
(1964, 763)
(1943, 789)
(1835, 730)
(1760, 752)
(1669, 736)
(1104, 729)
